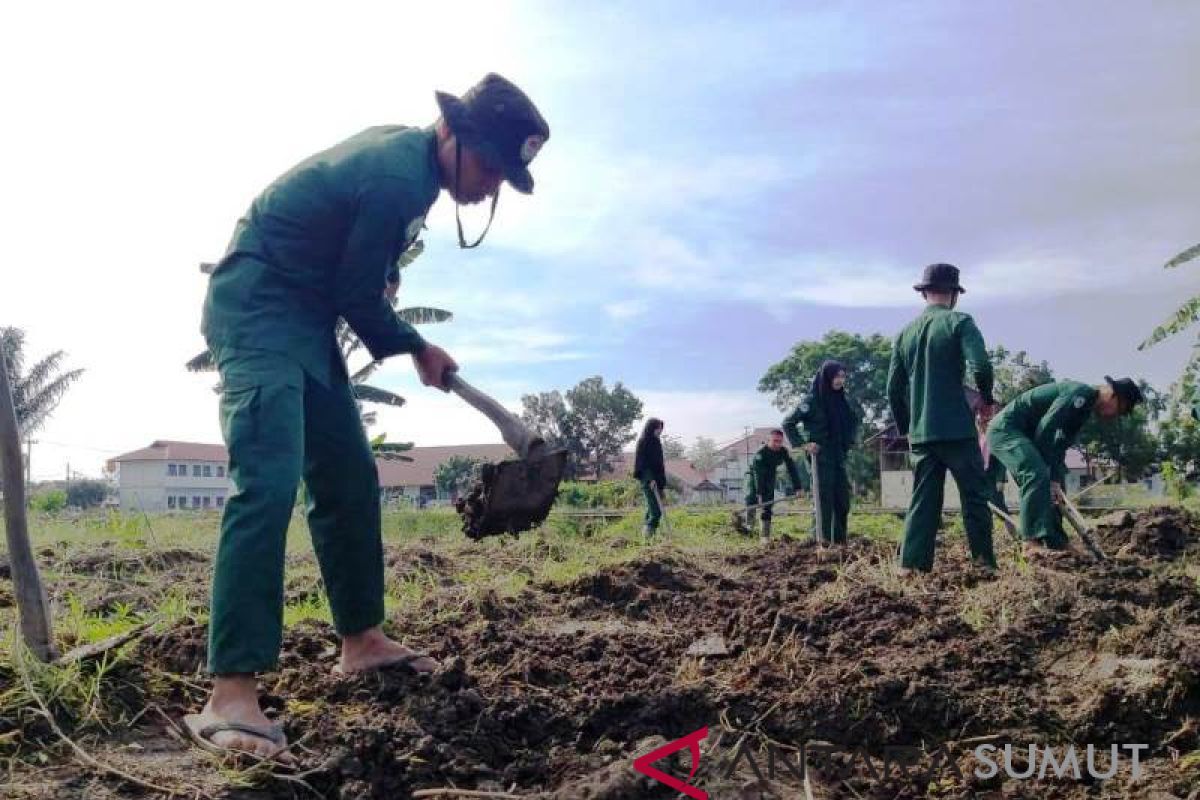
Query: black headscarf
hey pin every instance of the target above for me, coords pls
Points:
(838, 416)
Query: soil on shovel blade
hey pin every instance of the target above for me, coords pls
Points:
(555, 691)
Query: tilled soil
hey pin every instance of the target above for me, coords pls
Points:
(554, 692)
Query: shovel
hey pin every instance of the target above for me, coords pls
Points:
(739, 520)
(1010, 524)
(514, 495)
(816, 489)
(662, 506)
(1080, 525)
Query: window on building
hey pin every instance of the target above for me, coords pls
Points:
(207, 502)
(208, 470)
(221, 471)
(196, 501)
(220, 502)
(195, 470)
(170, 469)
(171, 498)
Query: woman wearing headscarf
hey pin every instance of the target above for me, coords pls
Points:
(829, 427)
(651, 471)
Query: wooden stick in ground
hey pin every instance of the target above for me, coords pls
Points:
(1010, 524)
(816, 489)
(1080, 525)
(32, 606)
(662, 506)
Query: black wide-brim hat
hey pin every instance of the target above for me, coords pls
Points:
(1126, 391)
(497, 120)
(940, 278)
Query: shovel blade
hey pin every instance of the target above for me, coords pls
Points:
(512, 496)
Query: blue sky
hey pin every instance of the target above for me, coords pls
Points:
(720, 183)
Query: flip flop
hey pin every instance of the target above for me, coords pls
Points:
(202, 735)
(403, 661)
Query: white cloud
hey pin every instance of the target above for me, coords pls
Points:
(627, 309)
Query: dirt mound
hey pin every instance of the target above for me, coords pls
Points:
(557, 689)
(1163, 532)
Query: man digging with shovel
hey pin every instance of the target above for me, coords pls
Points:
(761, 477)
(320, 243)
(1031, 437)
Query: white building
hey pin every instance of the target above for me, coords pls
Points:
(168, 476)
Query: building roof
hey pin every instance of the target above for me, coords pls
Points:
(752, 442)
(425, 461)
(165, 450)
(682, 470)
(1074, 459)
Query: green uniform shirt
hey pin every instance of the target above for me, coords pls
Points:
(811, 415)
(1050, 416)
(765, 465)
(318, 243)
(925, 381)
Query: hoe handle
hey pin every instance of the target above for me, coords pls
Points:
(514, 433)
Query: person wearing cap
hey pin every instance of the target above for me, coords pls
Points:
(761, 477)
(930, 359)
(830, 426)
(1031, 436)
(322, 242)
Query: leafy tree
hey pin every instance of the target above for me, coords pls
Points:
(86, 493)
(38, 390)
(454, 475)
(673, 447)
(592, 422)
(1015, 373)
(704, 455)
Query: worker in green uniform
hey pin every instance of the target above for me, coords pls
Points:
(761, 477)
(322, 242)
(1031, 437)
(930, 359)
(830, 426)
(650, 470)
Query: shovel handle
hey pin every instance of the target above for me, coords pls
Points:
(514, 433)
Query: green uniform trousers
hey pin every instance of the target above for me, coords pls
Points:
(754, 497)
(930, 461)
(835, 496)
(653, 508)
(1041, 519)
(280, 426)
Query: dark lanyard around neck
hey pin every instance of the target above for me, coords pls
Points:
(462, 242)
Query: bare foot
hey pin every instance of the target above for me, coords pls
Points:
(372, 649)
(234, 704)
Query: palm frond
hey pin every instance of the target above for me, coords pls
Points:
(14, 350)
(1187, 315)
(32, 411)
(373, 394)
(423, 315)
(369, 418)
(365, 372)
(202, 362)
(1187, 255)
(410, 255)
(34, 380)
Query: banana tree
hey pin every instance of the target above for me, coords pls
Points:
(350, 345)
(1187, 389)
